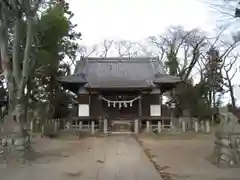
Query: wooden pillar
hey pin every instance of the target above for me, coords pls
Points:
(160, 101)
(89, 104)
(139, 113)
(100, 113)
(140, 107)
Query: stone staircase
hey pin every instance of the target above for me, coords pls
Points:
(120, 126)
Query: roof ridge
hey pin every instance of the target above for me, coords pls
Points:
(114, 59)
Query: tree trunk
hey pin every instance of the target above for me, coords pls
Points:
(232, 94)
(16, 80)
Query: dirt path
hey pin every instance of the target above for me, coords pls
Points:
(186, 158)
(110, 158)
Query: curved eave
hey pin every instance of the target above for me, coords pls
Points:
(72, 82)
(133, 89)
(167, 82)
(126, 87)
(166, 87)
(73, 87)
(76, 79)
(168, 79)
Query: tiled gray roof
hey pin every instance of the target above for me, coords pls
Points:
(117, 73)
(120, 72)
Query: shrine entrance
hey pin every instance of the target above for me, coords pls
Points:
(121, 126)
(121, 111)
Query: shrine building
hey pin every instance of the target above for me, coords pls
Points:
(117, 92)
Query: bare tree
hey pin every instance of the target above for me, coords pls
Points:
(230, 71)
(120, 48)
(219, 57)
(126, 48)
(106, 46)
(179, 49)
(85, 51)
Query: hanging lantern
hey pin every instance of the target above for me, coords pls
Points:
(114, 104)
(125, 104)
(109, 104)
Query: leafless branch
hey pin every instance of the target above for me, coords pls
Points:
(106, 47)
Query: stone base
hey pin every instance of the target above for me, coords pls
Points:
(224, 165)
(224, 160)
(16, 149)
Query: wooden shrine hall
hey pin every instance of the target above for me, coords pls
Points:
(118, 93)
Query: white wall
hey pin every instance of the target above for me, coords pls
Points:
(83, 110)
(155, 110)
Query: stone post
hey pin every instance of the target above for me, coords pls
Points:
(159, 127)
(42, 129)
(202, 126)
(136, 126)
(55, 125)
(68, 125)
(93, 127)
(148, 126)
(183, 126)
(32, 126)
(196, 128)
(207, 127)
(105, 130)
(58, 123)
(80, 125)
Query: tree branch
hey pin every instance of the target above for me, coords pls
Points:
(36, 5)
(8, 5)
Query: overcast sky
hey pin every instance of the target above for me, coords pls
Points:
(138, 19)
